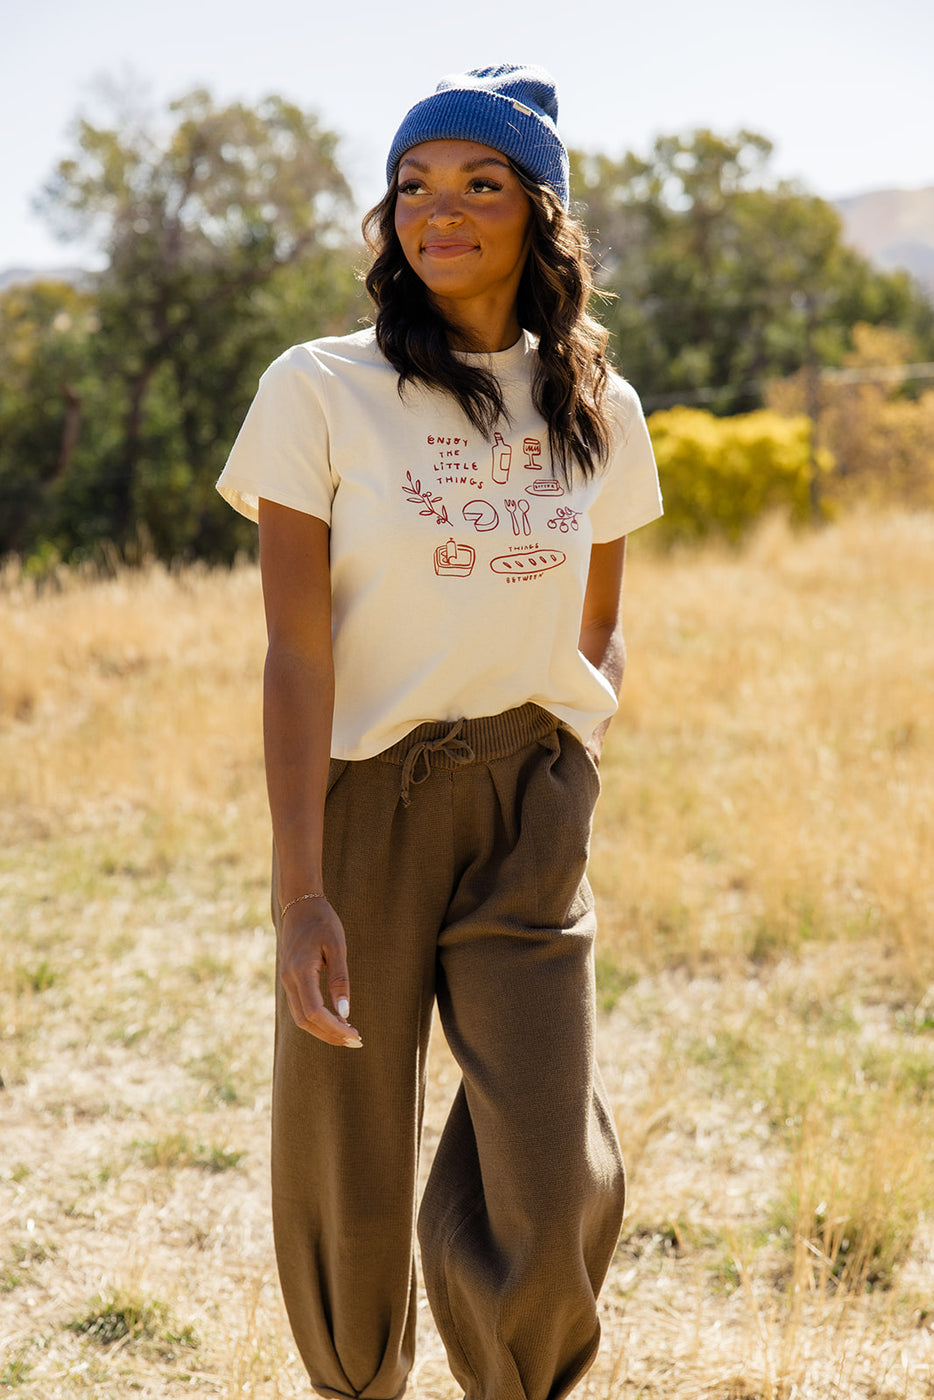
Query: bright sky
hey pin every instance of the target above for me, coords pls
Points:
(842, 87)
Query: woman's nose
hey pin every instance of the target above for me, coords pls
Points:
(445, 209)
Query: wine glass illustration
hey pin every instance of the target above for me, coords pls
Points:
(532, 449)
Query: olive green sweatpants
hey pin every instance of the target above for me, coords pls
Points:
(456, 861)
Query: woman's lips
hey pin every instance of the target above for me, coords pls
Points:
(448, 249)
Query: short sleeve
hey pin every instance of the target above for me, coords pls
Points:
(282, 450)
(630, 495)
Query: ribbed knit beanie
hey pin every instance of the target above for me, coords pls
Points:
(511, 107)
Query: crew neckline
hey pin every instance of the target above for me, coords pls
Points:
(499, 360)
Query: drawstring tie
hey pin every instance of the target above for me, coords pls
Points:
(457, 750)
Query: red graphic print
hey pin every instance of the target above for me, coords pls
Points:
(454, 560)
(565, 519)
(532, 449)
(482, 515)
(545, 487)
(519, 510)
(426, 500)
(527, 564)
(502, 457)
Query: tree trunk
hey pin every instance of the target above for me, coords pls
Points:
(71, 429)
(125, 483)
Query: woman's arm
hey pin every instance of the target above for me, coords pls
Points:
(601, 636)
(298, 705)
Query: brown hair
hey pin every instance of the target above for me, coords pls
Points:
(556, 285)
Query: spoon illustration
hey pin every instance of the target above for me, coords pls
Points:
(523, 509)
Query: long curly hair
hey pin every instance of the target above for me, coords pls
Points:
(569, 389)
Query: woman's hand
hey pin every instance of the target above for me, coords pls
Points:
(297, 713)
(595, 745)
(601, 636)
(312, 942)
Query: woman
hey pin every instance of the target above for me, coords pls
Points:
(443, 502)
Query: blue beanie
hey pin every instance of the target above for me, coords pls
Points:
(512, 107)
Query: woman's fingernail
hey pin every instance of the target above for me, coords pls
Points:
(343, 1007)
(354, 1043)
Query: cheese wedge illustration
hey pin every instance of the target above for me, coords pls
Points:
(482, 515)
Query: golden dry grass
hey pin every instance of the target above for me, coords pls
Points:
(764, 864)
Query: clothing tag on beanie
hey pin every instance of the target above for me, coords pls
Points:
(519, 108)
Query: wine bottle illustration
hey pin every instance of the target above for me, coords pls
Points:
(502, 457)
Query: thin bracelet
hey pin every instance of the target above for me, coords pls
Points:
(315, 894)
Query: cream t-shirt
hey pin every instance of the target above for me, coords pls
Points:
(458, 566)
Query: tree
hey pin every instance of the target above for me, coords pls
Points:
(47, 391)
(877, 423)
(722, 278)
(199, 218)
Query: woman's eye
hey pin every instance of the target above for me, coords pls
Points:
(484, 186)
(410, 187)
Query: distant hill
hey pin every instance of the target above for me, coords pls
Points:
(894, 229)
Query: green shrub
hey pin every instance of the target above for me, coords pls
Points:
(720, 475)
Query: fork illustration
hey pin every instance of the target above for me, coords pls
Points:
(511, 507)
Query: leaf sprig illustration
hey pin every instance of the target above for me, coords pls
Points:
(426, 500)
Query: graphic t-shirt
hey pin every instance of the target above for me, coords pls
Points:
(458, 566)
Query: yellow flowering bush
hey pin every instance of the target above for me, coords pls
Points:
(720, 475)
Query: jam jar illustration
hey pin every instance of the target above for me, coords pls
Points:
(454, 559)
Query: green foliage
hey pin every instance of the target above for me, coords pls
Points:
(15, 1372)
(22, 1257)
(127, 1318)
(47, 386)
(224, 236)
(719, 475)
(38, 979)
(179, 1150)
(722, 278)
(612, 981)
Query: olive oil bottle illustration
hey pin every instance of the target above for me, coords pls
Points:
(502, 457)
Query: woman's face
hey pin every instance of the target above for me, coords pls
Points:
(463, 221)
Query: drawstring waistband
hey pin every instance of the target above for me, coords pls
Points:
(457, 750)
(453, 743)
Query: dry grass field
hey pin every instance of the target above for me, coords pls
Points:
(764, 861)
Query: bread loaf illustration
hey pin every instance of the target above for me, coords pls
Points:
(531, 561)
